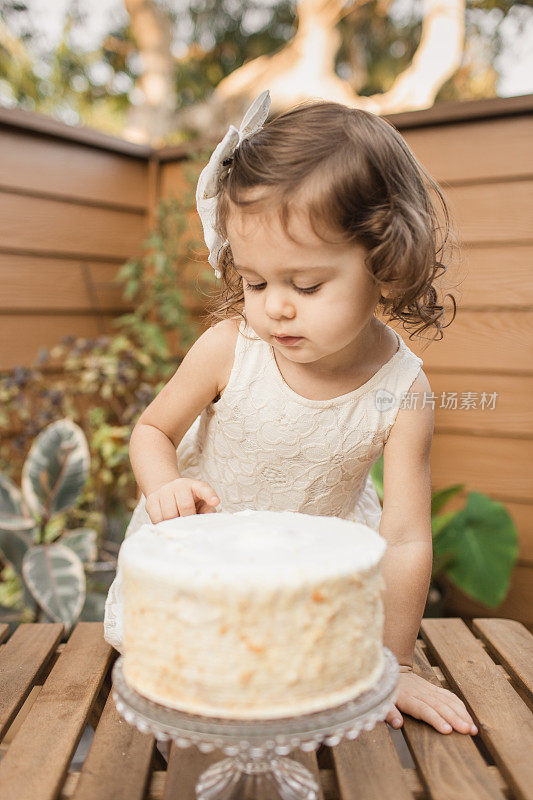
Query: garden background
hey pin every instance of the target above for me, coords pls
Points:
(105, 280)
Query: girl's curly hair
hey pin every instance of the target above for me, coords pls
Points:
(364, 183)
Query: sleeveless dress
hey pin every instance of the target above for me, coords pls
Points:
(263, 446)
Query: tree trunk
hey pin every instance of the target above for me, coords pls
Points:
(153, 117)
(305, 67)
(438, 56)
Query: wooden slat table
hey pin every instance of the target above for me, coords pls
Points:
(50, 692)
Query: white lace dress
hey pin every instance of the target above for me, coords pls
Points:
(263, 446)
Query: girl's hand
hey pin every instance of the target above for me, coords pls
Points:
(435, 705)
(181, 498)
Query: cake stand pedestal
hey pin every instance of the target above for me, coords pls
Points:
(257, 749)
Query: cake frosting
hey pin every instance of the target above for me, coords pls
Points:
(252, 615)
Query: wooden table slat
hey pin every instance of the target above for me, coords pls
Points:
(502, 717)
(512, 644)
(22, 658)
(368, 768)
(121, 761)
(118, 764)
(4, 631)
(185, 766)
(48, 737)
(449, 765)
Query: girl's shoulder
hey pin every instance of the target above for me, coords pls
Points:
(226, 333)
(399, 364)
(227, 328)
(396, 342)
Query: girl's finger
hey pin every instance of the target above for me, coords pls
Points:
(205, 509)
(169, 506)
(421, 710)
(457, 704)
(154, 511)
(394, 718)
(454, 718)
(204, 492)
(185, 501)
(451, 708)
(453, 700)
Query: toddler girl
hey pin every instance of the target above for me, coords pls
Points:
(285, 403)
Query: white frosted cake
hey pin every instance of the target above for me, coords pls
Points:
(256, 614)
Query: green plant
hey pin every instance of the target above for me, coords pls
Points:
(49, 560)
(103, 384)
(160, 282)
(476, 547)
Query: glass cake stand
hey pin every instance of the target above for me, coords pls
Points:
(256, 748)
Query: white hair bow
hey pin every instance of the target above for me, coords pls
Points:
(211, 175)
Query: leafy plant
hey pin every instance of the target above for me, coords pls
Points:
(49, 560)
(102, 385)
(476, 547)
(160, 282)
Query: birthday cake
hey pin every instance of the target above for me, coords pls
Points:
(252, 615)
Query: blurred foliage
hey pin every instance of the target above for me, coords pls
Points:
(228, 26)
(96, 86)
(92, 87)
(161, 284)
(103, 384)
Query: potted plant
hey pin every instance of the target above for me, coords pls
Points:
(52, 562)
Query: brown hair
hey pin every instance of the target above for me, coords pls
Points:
(365, 184)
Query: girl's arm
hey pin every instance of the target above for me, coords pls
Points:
(199, 378)
(406, 525)
(406, 522)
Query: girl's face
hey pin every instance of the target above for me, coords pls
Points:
(314, 290)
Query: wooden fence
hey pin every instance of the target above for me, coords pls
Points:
(76, 204)
(481, 155)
